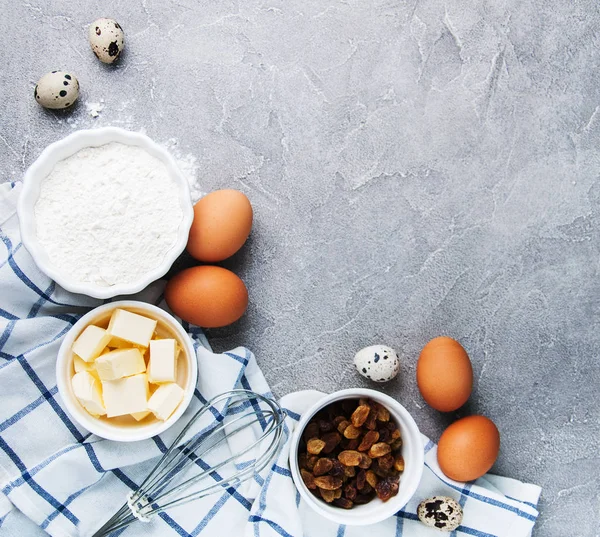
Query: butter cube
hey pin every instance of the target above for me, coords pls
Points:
(165, 400)
(163, 361)
(91, 342)
(87, 390)
(139, 416)
(130, 328)
(120, 363)
(79, 365)
(126, 396)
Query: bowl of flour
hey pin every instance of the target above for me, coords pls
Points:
(105, 212)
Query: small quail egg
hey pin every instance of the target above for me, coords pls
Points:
(58, 89)
(378, 363)
(107, 39)
(440, 512)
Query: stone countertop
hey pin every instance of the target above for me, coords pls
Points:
(417, 168)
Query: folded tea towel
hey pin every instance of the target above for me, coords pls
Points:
(57, 478)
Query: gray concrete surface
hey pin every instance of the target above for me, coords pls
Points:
(417, 168)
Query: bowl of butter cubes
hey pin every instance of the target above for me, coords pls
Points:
(126, 371)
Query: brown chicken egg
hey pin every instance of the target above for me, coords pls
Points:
(444, 374)
(468, 448)
(207, 296)
(222, 223)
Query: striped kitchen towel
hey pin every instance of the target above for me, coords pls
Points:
(57, 478)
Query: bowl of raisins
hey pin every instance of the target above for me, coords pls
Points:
(356, 457)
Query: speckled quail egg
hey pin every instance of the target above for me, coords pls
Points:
(378, 363)
(107, 39)
(58, 89)
(440, 512)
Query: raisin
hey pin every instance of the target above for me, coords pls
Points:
(371, 478)
(386, 488)
(311, 461)
(314, 446)
(361, 479)
(383, 414)
(353, 444)
(337, 420)
(399, 463)
(350, 491)
(379, 450)
(385, 435)
(327, 482)
(386, 462)
(380, 472)
(337, 493)
(308, 478)
(396, 434)
(302, 460)
(350, 458)
(352, 432)
(325, 426)
(311, 431)
(327, 495)
(368, 440)
(341, 426)
(337, 468)
(363, 498)
(349, 471)
(323, 466)
(396, 444)
(371, 422)
(365, 461)
(344, 503)
(331, 441)
(359, 416)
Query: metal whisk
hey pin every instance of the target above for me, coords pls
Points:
(252, 421)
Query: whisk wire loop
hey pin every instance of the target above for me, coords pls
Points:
(256, 418)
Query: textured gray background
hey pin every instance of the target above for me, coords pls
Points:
(417, 168)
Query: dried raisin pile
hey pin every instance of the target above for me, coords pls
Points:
(350, 452)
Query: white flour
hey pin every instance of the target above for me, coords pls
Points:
(108, 214)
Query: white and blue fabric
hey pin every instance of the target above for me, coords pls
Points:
(57, 478)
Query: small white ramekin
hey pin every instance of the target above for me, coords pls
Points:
(63, 149)
(412, 451)
(103, 427)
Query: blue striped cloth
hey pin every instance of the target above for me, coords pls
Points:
(55, 477)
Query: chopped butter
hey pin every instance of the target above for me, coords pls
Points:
(139, 416)
(163, 361)
(165, 400)
(120, 363)
(128, 395)
(79, 365)
(127, 328)
(91, 342)
(87, 390)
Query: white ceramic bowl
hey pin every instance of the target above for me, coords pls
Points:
(126, 429)
(412, 451)
(65, 148)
